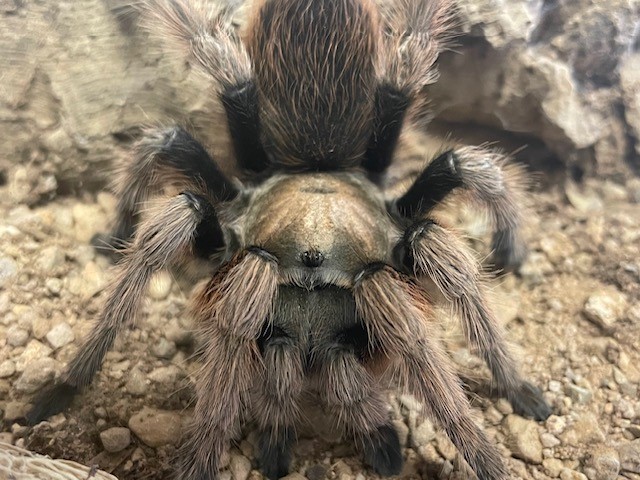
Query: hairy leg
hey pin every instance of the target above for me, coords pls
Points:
(433, 252)
(492, 184)
(394, 313)
(354, 396)
(163, 158)
(231, 311)
(165, 238)
(230, 367)
(275, 400)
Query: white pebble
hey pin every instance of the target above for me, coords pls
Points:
(60, 335)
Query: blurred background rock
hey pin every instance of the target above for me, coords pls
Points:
(78, 79)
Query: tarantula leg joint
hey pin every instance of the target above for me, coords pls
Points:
(197, 203)
(263, 254)
(368, 271)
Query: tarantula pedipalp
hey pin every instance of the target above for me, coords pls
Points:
(316, 277)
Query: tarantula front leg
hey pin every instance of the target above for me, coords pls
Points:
(276, 396)
(394, 314)
(163, 158)
(350, 390)
(491, 183)
(231, 312)
(165, 237)
(433, 252)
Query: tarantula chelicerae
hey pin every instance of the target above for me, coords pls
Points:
(319, 280)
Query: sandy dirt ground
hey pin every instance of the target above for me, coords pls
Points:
(573, 311)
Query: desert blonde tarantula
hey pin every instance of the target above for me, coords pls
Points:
(318, 279)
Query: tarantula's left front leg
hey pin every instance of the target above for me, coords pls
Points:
(394, 314)
(491, 182)
(166, 237)
(433, 252)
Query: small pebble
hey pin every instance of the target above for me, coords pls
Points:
(115, 439)
(164, 349)
(553, 467)
(555, 424)
(240, 467)
(156, 427)
(605, 308)
(15, 411)
(50, 259)
(17, 337)
(523, 439)
(568, 474)
(548, 440)
(584, 431)
(604, 464)
(555, 386)
(54, 286)
(630, 457)
(422, 434)
(8, 270)
(60, 335)
(35, 375)
(136, 383)
(7, 368)
(504, 407)
(493, 415)
(166, 375)
(578, 394)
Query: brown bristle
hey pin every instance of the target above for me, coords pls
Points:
(315, 69)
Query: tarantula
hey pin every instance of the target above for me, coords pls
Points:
(318, 280)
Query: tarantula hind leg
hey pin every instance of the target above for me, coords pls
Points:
(429, 250)
(165, 237)
(491, 183)
(163, 157)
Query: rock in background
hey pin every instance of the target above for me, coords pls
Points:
(566, 72)
(79, 79)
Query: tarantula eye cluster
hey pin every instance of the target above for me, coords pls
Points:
(317, 277)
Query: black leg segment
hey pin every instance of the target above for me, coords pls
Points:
(274, 452)
(437, 181)
(241, 106)
(390, 108)
(162, 158)
(383, 452)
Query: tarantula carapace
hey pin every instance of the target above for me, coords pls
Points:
(318, 280)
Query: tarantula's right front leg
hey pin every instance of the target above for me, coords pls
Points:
(166, 237)
(231, 311)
